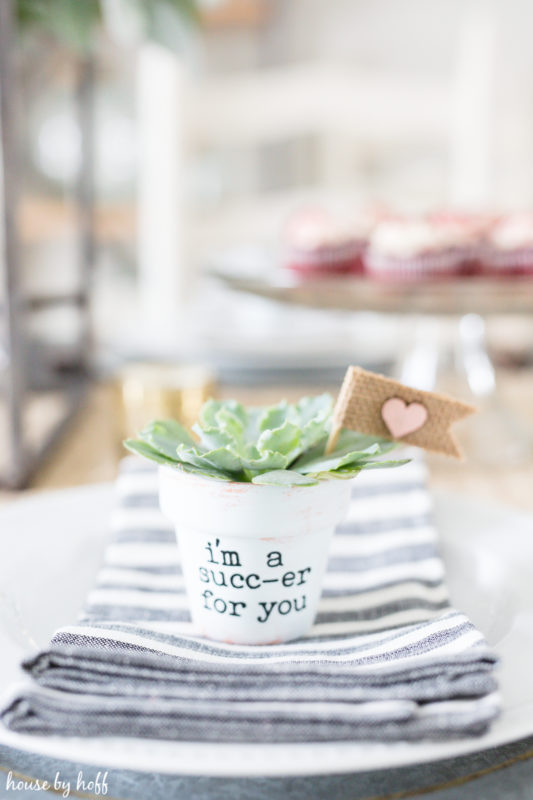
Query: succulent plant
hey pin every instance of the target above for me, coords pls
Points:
(283, 444)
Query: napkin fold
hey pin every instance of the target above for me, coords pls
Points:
(387, 659)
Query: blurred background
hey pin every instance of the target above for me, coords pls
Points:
(156, 158)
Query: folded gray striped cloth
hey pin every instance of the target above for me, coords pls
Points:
(387, 659)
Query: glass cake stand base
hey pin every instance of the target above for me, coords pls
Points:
(496, 436)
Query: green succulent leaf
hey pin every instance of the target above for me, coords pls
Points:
(312, 435)
(273, 417)
(165, 436)
(285, 440)
(222, 460)
(284, 477)
(381, 464)
(311, 409)
(230, 422)
(255, 460)
(205, 472)
(351, 448)
(143, 449)
(213, 438)
(335, 474)
(334, 461)
(352, 470)
(352, 440)
(208, 413)
(253, 424)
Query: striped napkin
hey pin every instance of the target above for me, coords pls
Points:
(387, 659)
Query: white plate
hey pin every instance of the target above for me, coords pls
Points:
(50, 548)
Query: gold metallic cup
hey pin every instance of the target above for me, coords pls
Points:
(161, 391)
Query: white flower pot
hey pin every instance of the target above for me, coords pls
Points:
(253, 556)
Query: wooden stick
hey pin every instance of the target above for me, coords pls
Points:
(333, 438)
(337, 419)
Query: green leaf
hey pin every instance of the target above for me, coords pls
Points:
(285, 440)
(213, 438)
(273, 417)
(354, 469)
(74, 23)
(383, 464)
(165, 436)
(351, 447)
(317, 408)
(254, 460)
(353, 440)
(222, 460)
(335, 474)
(237, 409)
(252, 428)
(208, 413)
(143, 449)
(312, 434)
(335, 461)
(230, 422)
(205, 472)
(283, 477)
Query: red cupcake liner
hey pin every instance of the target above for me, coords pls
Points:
(507, 263)
(424, 266)
(341, 259)
(472, 261)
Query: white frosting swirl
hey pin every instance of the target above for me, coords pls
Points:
(411, 237)
(513, 233)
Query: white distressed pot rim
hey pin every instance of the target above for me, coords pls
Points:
(238, 508)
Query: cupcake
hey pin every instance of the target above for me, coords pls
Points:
(364, 222)
(509, 247)
(413, 249)
(318, 244)
(469, 232)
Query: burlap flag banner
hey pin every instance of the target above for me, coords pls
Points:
(380, 406)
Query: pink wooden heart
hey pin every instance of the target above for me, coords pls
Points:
(402, 418)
